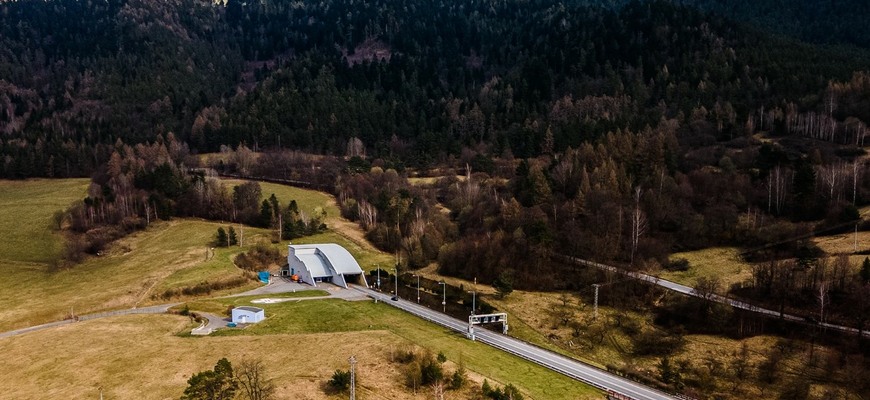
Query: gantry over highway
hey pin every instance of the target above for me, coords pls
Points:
(567, 366)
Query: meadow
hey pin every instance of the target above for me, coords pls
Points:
(723, 263)
(27, 214)
(133, 272)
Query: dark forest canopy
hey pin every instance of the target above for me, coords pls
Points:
(414, 80)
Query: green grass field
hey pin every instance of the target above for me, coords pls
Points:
(28, 207)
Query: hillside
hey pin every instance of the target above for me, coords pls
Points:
(413, 80)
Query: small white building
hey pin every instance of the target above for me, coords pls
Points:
(248, 315)
(328, 262)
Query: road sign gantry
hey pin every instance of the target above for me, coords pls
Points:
(487, 319)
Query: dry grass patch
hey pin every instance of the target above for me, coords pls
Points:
(843, 243)
(151, 362)
(719, 262)
(152, 359)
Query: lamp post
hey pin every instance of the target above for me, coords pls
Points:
(379, 275)
(418, 288)
(473, 301)
(444, 297)
(396, 271)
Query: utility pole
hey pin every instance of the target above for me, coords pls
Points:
(352, 360)
(418, 288)
(379, 276)
(595, 312)
(396, 270)
(444, 297)
(474, 298)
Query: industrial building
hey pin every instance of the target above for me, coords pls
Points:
(248, 315)
(329, 262)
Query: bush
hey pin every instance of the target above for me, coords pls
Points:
(657, 343)
(206, 287)
(405, 356)
(680, 264)
(340, 381)
(259, 258)
(430, 371)
(458, 379)
(509, 392)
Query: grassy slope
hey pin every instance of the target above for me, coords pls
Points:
(340, 231)
(27, 209)
(308, 317)
(172, 254)
(721, 262)
(132, 270)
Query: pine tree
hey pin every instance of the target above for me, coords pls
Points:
(221, 238)
(233, 239)
(865, 270)
(265, 219)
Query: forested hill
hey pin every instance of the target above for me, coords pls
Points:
(815, 21)
(414, 80)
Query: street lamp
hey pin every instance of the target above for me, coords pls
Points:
(396, 271)
(473, 301)
(379, 275)
(418, 288)
(444, 297)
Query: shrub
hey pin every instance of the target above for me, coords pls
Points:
(405, 356)
(680, 264)
(458, 379)
(509, 392)
(340, 381)
(259, 258)
(657, 343)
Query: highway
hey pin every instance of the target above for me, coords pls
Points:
(676, 287)
(567, 366)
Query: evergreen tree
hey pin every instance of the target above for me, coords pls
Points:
(216, 384)
(265, 219)
(233, 239)
(221, 238)
(504, 284)
(865, 270)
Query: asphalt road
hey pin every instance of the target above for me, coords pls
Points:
(676, 287)
(159, 309)
(567, 366)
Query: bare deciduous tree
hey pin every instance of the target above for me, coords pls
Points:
(638, 223)
(255, 385)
